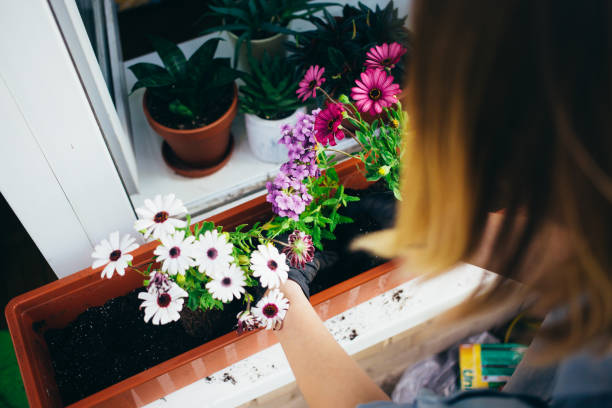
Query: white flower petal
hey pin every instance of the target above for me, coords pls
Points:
(108, 271)
(143, 224)
(114, 240)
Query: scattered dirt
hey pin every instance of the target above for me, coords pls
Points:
(353, 334)
(397, 296)
(229, 378)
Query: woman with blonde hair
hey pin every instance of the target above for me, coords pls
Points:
(510, 105)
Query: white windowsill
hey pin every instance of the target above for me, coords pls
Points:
(356, 329)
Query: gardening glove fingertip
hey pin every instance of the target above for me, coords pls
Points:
(305, 275)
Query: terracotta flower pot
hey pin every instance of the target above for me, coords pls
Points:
(202, 147)
(56, 304)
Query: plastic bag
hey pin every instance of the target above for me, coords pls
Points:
(439, 373)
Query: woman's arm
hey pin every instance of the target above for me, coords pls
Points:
(325, 373)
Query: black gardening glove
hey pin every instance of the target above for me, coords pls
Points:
(304, 276)
(380, 206)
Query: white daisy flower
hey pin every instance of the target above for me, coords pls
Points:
(227, 283)
(175, 253)
(246, 321)
(163, 306)
(114, 254)
(213, 252)
(158, 216)
(269, 266)
(271, 310)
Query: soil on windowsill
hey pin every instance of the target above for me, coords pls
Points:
(107, 344)
(158, 109)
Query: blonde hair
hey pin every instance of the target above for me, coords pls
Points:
(511, 110)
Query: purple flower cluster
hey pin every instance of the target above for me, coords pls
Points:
(287, 193)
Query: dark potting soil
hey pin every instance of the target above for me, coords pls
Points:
(107, 344)
(159, 110)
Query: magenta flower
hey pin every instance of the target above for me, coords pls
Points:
(374, 92)
(384, 56)
(327, 124)
(312, 80)
(300, 249)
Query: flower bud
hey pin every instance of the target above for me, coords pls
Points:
(343, 99)
(384, 170)
(180, 279)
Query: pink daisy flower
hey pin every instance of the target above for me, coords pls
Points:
(312, 80)
(327, 124)
(384, 56)
(300, 249)
(375, 91)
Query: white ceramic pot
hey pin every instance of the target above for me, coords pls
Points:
(274, 45)
(264, 134)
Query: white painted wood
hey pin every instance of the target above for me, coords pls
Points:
(84, 58)
(38, 73)
(31, 189)
(374, 321)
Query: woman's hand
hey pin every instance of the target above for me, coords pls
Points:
(325, 373)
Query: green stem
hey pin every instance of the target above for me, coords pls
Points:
(354, 137)
(341, 152)
(326, 94)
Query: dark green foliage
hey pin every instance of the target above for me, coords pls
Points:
(258, 19)
(188, 87)
(383, 140)
(340, 43)
(269, 90)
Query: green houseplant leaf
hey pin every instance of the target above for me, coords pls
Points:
(188, 88)
(170, 54)
(270, 89)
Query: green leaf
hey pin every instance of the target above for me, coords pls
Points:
(335, 56)
(144, 69)
(180, 109)
(344, 220)
(316, 234)
(397, 193)
(332, 174)
(154, 81)
(330, 201)
(206, 52)
(325, 234)
(171, 55)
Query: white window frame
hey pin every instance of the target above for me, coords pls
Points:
(56, 171)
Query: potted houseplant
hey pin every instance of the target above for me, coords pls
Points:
(203, 268)
(259, 25)
(269, 102)
(190, 103)
(340, 43)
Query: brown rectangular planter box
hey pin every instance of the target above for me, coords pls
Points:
(58, 303)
